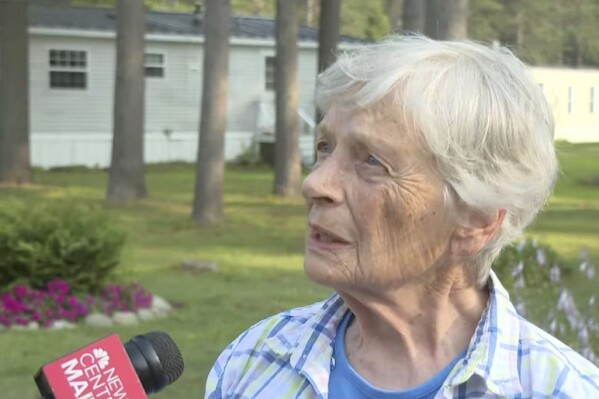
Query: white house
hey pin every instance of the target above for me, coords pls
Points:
(574, 97)
(72, 69)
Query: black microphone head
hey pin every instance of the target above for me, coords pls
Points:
(169, 354)
(156, 359)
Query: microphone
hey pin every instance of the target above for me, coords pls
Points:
(108, 369)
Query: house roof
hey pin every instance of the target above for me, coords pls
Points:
(158, 22)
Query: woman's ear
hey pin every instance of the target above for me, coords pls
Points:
(468, 241)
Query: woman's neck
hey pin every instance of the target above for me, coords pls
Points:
(417, 329)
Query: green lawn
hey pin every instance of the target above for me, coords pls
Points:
(259, 252)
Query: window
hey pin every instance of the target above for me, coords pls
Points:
(593, 99)
(68, 69)
(154, 65)
(570, 99)
(269, 73)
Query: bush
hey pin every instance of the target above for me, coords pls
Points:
(528, 262)
(530, 270)
(77, 244)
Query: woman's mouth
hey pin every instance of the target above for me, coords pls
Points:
(321, 239)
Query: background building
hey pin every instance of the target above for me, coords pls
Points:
(72, 70)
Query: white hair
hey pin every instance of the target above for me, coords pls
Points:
(479, 112)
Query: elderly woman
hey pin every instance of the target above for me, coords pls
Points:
(431, 157)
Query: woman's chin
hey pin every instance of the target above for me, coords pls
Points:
(321, 272)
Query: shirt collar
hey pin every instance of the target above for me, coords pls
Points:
(310, 347)
(492, 353)
(493, 350)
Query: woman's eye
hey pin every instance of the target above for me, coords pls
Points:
(324, 147)
(372, 161)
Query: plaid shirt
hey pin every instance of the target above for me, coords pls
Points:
(289, 356)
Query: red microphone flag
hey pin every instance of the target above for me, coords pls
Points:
(99, 370)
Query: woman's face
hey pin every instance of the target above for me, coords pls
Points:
(377, 218)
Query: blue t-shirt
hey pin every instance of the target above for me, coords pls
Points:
(345, 383)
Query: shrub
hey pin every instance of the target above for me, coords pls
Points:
(527, 261)
(76, 244)
(530, 270)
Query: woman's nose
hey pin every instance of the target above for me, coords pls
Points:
(323, 184)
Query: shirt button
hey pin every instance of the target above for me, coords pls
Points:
(465, 362)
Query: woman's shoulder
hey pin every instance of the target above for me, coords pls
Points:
(282, 328)
(552, 359)
(268, 342)
(283, 323)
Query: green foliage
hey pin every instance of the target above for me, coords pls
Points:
(561, 32)
(254, 7)
(486, 20)
(248, 156)
(531, 260)
(364, 20)
(44, 242)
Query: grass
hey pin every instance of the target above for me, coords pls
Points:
(258, 249)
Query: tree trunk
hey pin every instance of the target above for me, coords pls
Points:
(433, 18)
(414, 16)
(447, 19)
(127, 170)
(208, 199)
(453, 19)
(328, 37)
(15, 165)
(328, 33)
(310, 12)
(520, 22)
(287, 154)
(394, 13)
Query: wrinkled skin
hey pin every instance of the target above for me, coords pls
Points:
(374, 186)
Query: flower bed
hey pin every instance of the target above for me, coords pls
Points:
(22, 305)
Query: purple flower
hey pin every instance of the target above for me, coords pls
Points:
(554, 274)
(591, 272)
(583, 337)
(541, 257)
(73, 302)
(20, 291)
(518, 269)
